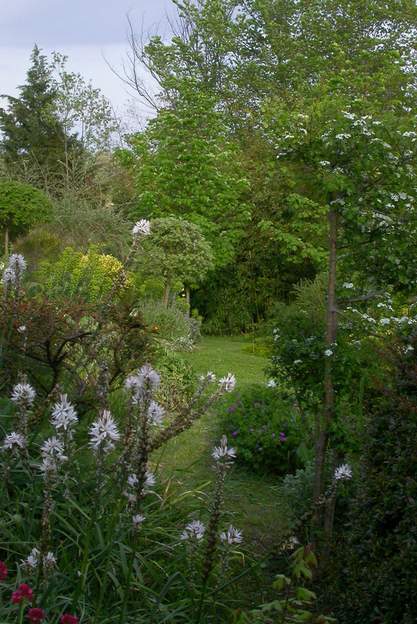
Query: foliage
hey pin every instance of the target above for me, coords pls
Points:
(170, 325)
(21, 207)
(186, 166)
(176, 251)
(34, 140)
(296, 603)
(58, 509)
(88, 277)
(371, 575)
(266, 429)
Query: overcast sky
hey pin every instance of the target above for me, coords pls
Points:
(89, 32)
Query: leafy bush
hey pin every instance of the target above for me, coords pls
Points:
(170, 324)
(266, 429)
(21, 207)
(372, 575)
(88, 277)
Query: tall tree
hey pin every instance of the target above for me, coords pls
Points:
(186, 166)
(33, 141)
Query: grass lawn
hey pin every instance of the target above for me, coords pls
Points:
(253, 499)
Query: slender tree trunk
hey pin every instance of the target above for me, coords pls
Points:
(167, 291)
(327, 416)
(188, 300)
(6, 242)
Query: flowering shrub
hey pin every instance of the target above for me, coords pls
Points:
(265, 428)
(86, 276)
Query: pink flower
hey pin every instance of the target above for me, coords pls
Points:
(23, 592)
(3, 571)
(67, 618)
(35, 615)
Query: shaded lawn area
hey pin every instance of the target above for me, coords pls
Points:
(252, 499)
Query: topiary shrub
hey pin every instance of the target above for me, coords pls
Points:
(265, 428)
(21, 207)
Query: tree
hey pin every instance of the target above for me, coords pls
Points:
(361, 156)
(34, 139)
(176, 250)
(21, 207)
(245, 55)
(185, 166)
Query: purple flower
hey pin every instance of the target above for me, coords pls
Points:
(232, 408)
(234, 433)
(282, 436)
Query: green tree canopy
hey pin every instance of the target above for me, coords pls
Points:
(176, 250)
(185, 165)
(21, 207)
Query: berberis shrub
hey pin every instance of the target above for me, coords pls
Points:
(265, 428)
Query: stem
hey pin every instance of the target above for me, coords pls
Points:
(324, 422)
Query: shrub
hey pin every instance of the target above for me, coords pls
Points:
(266, 429)
(372, 576)
(88, 277)
(21, 207)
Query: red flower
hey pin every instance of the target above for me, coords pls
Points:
(35, 615)
(17, 597)
(67, 618)
(3, 571)
(23, 592)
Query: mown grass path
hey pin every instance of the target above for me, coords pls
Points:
(252, 499)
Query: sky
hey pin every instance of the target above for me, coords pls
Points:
(92, 33)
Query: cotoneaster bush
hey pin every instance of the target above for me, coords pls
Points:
(266, 429)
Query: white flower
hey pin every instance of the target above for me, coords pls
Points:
(385, 321)
(23, 394)
(231, 536)
(64, 415)
(324, 163)
(52, 455)
(347, 285)
(9, 277)
(228, 382)
(344, 471)
(49, 560)
(223, 452)
(271, 383)
(155, 413)
(21, 329)
(408, 349)
(137, 520)
(209, 377)
(146, 378)
(194, 531)
(103, 433)
(32, 561)
(54, 449)
(150, 480)
(132, 480)
(17, 263)
(328, 353)
(298, 362)
(14, 439)
(141, 228)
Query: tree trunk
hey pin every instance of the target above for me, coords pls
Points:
(188, 300)
(6, 242)
(331, 333)
(167, 291)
